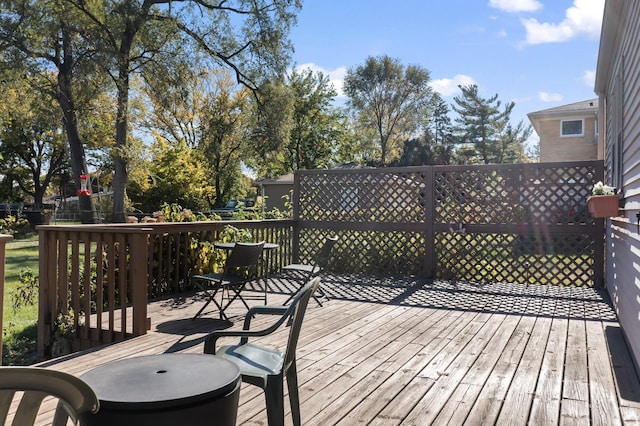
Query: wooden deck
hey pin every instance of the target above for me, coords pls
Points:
(391, 352)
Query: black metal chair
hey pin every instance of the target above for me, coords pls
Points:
(303, 272)
(241, 267)
(76, 399)
(267, 367)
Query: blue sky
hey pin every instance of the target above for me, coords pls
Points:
(537, 53)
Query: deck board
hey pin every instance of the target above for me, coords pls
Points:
(411, 352)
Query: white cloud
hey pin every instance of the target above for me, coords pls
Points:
(549, 97)
(589, 78)
(449, 86)
(516, 5)
(336, 76)
(583, 18)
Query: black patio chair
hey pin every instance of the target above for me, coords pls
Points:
(267, 367)
(304, 272)
(240, 268)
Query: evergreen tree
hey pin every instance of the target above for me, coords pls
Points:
(483, 126)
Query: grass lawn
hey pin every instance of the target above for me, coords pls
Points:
(19, 327)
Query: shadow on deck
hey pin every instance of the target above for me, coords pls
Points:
(412, 351)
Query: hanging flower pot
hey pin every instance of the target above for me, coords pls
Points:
(603, 205)
(604, 202)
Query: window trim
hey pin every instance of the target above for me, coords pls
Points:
(575, 135)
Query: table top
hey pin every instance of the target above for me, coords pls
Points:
(230, 245)
(160, 381)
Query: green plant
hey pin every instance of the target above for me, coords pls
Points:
(26, 291)
(63, 326)
(15, 226)
(207, 257)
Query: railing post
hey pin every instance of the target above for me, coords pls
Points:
(138, 267)
(3, 240)
(47, 288)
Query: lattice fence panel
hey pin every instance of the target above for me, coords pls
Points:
(514, 194)
(567, 260)
(375, 195)
(504, 223)
(379, 253)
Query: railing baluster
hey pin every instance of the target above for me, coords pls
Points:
(130, 262)
(99, 286)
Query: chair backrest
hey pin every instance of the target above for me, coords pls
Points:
(324, 254)
(299, 307)
(76, 399)
(244, 255)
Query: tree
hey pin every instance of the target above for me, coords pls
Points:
(177, 177)
(485, 127)
(389, 98)
(247, 36)
(210, 114)
(224, 139)
(317, 125)
(122, 37)
(32, 145)
(46, 43)
(435, 146)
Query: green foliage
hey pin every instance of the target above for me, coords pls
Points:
(175, 213)
(484, 129)
(63, 326)
(208, 258)
(26, 292)
(177, 175)
(18, 227)
(436, 144)
(317, 126)
(19, 342)
(32, 144)
(390, 98)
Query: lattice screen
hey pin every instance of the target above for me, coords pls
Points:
(505, 223)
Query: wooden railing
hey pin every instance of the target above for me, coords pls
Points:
(97, 279)
(4, 239)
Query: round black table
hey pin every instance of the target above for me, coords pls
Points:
(167, 389)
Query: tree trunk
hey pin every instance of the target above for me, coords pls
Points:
(76, 148)
(122, 118)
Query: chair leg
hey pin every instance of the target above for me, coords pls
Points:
(236, 295)
(274, 396)
(211, 297)
(294, 398)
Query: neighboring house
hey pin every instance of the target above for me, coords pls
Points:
(274, 191)
(277, 188)
(618, 88)
(567, 132)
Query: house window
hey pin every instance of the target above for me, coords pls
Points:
(572, 128)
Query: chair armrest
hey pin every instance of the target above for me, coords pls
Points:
(263, 310)
(245, 333)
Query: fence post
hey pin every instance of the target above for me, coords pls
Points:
(295, 241)
(3, 240)
(429, 218)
